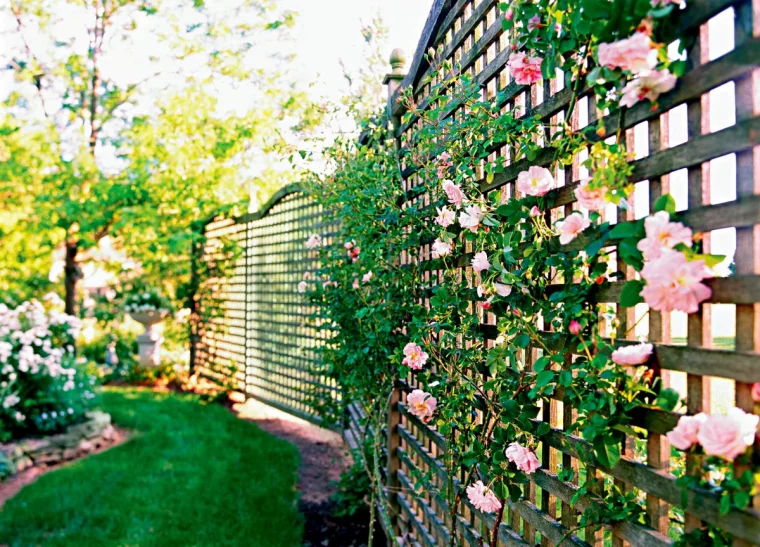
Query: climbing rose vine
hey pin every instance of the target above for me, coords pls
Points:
(444, 255)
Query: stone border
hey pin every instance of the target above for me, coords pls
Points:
(78, 440)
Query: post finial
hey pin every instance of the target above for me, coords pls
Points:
(398, 61)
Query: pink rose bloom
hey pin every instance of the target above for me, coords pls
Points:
(353, 253)
(525, 460)
(756, 392)
(470, 219)
(685, 433)
(510, 14)
(421, 404)
(536, 181)
(648, 85)
(453, 192)
(535, 211)
(534, 22)
(674, 283)
(525, 70)
(480, 262)
(593, 200)
(302, 286)
(307, 275)
(440, 249)
(314, 241)
(483, 498)
(366, 277)
(629, 54)
(728, 436)
(663, 235)
(571, 227)
(633, 355)
(574, 327)
(414, 358)
(502, 290)
(355, 284)
(348, 245)
(446, 217)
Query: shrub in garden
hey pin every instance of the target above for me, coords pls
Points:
(43, 389)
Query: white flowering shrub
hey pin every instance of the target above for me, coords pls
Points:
(43, 389)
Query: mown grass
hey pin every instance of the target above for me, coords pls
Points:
(192, 474)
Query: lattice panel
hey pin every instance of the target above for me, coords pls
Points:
(709, 160)
(266, 333)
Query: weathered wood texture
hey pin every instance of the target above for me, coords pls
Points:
(679, 147)
(264, 340)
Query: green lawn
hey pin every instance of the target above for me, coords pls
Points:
(192, 474)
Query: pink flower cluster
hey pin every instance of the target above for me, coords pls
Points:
(525, 460)
(536, 181)
(633, 355)
(725, 436)
(446, 217)
(673, 283)
(636, 54)
(593, 200)
(453, 192)
(352, 249)
(480, 262)
(631, 53)
(525, 69)
(414, 357)
(421, 404)
(313, 242)
(440, 249)
(483, 498)
(571, 227)
(471, 217)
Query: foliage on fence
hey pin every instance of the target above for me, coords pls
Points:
(482, 271)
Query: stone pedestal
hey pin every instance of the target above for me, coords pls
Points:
(150, 341)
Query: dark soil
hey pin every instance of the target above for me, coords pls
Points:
(324, 529)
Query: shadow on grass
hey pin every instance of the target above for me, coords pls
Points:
(192, 474)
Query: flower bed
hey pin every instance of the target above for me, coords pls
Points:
(43, 389)
(94, 433)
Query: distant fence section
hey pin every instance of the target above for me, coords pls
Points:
(258, 337)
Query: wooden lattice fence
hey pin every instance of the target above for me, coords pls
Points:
(255, 331)
(712, 166)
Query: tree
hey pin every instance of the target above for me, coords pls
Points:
(124, 98)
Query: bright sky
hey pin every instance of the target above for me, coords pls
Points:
(329, 30)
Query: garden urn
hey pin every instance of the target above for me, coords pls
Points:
(149, 341)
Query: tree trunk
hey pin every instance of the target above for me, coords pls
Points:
(72, 276)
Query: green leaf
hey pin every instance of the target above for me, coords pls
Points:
(741, 499)
(665, 202)
(544, 378)
(725, 503)
(624, 230)
(631, 293)
(667, 399)
(607, 451)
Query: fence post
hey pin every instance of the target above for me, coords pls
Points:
(392, 462)
(393, 81)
